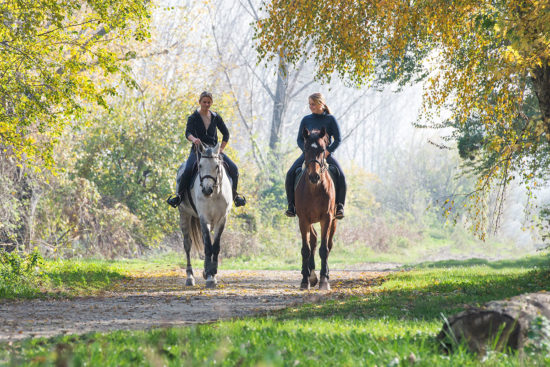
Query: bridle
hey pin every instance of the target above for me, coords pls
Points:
(216, 179)
(323, 163)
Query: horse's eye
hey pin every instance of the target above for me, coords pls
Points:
(200, 165)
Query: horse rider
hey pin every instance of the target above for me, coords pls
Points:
(320, 117)
(202, 126)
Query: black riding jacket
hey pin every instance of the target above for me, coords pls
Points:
(195, 127)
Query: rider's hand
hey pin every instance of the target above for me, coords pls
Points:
(197, 141)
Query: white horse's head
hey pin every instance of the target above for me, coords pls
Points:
(210, 169)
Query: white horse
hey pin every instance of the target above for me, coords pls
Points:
(212, 196)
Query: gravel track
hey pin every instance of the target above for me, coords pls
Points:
(162, 299)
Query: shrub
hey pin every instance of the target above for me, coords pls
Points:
(19, 273)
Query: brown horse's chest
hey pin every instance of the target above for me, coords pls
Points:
(314, 202)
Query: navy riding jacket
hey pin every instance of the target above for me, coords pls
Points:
(316, 122)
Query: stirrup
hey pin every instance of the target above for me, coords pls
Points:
(174, 201)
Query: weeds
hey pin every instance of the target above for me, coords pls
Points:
(19, 273)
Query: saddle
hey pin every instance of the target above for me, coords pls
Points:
(334, 173)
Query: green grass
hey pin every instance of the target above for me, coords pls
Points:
(63, 278)
(388, 324)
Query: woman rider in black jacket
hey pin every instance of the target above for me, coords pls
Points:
(320, 117)
(202, 127)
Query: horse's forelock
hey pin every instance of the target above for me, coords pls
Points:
(314, 138)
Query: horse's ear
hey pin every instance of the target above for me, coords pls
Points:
(216, 149)
(201, 148)
(323, 132)
(305, 133)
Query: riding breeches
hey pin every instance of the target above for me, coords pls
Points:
(341, 187)
(184, 177)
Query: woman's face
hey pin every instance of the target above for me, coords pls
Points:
(315, 107)
(205, 103)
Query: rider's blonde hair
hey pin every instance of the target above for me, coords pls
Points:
(318, 98)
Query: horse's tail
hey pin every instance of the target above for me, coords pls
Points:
(195, 234)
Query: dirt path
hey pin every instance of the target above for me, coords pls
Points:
(161, 299)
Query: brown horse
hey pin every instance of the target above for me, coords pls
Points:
(315, 203)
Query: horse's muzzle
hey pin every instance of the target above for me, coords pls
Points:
(207, 191)
(314, 178)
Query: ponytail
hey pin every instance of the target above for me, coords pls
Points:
(318, 98)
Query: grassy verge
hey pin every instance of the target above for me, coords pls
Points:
(390, 324)
(23, 278)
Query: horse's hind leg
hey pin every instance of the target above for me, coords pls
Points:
(305, 229)
(312, 245)
(324, 250)
(190, 281)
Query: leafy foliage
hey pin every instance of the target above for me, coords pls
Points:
(51, 54)
(18, 273)
(133, 158)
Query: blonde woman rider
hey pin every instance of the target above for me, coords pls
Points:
(320, 117)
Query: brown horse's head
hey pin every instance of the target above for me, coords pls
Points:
(315, 153)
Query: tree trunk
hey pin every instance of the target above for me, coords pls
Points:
(541, 84)
(279, 106)
(496, 325)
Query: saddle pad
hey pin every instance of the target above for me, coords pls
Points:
(333, 170)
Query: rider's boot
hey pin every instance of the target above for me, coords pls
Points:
(291, 211)
(339, 211)
(238, 199)
(175, 200)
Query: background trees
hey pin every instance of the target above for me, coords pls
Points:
(116, 139)
(486, 63)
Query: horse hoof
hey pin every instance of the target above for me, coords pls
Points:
(305, 286)
(190, 281)
(211, 282)
(324, 284)
(313, 279)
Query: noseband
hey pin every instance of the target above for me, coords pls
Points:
(323, 163)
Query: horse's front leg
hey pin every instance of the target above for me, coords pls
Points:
(185, 226)
(324, 250)
(190, 281)
(208, 249)
(306, 253)
(218, 230)
(312, 246)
